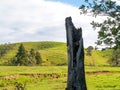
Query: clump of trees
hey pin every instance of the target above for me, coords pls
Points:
(109, 29)
(4, 48)
(26, 58)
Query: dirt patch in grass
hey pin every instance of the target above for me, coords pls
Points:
(53, 75)
(102, 72)
(9, 77)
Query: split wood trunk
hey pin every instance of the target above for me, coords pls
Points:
(76, 73)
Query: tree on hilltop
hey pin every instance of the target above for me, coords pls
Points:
(89, 50)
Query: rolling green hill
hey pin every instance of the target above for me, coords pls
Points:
(98, 58)
(55, 53)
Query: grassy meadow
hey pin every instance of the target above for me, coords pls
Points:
(52, 74)
(55, 77)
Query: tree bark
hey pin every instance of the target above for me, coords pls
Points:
(76, 74)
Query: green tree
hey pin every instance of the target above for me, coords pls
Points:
(89, 51)
(109, 32)
(109, 29)
(115, 58)
(21, 56)
(5, 48)
(38, 58)
(32, 57)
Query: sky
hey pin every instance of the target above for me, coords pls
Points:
(75, 3)
(42, 20)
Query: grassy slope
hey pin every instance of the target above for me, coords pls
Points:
(98, 58)
(55, 53)
(102, 81)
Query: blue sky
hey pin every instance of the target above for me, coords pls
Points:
(75, 3)
(42, 20)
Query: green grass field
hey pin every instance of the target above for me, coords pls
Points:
(52, 75)
(55, 77)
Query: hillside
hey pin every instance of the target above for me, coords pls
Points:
(55, 53)
(98, 58)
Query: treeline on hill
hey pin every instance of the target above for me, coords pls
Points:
(4, 48)
(26, 58)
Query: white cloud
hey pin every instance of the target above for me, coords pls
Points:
(117, 1)
(38, 20)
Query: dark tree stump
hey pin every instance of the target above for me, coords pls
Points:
(76, 73)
